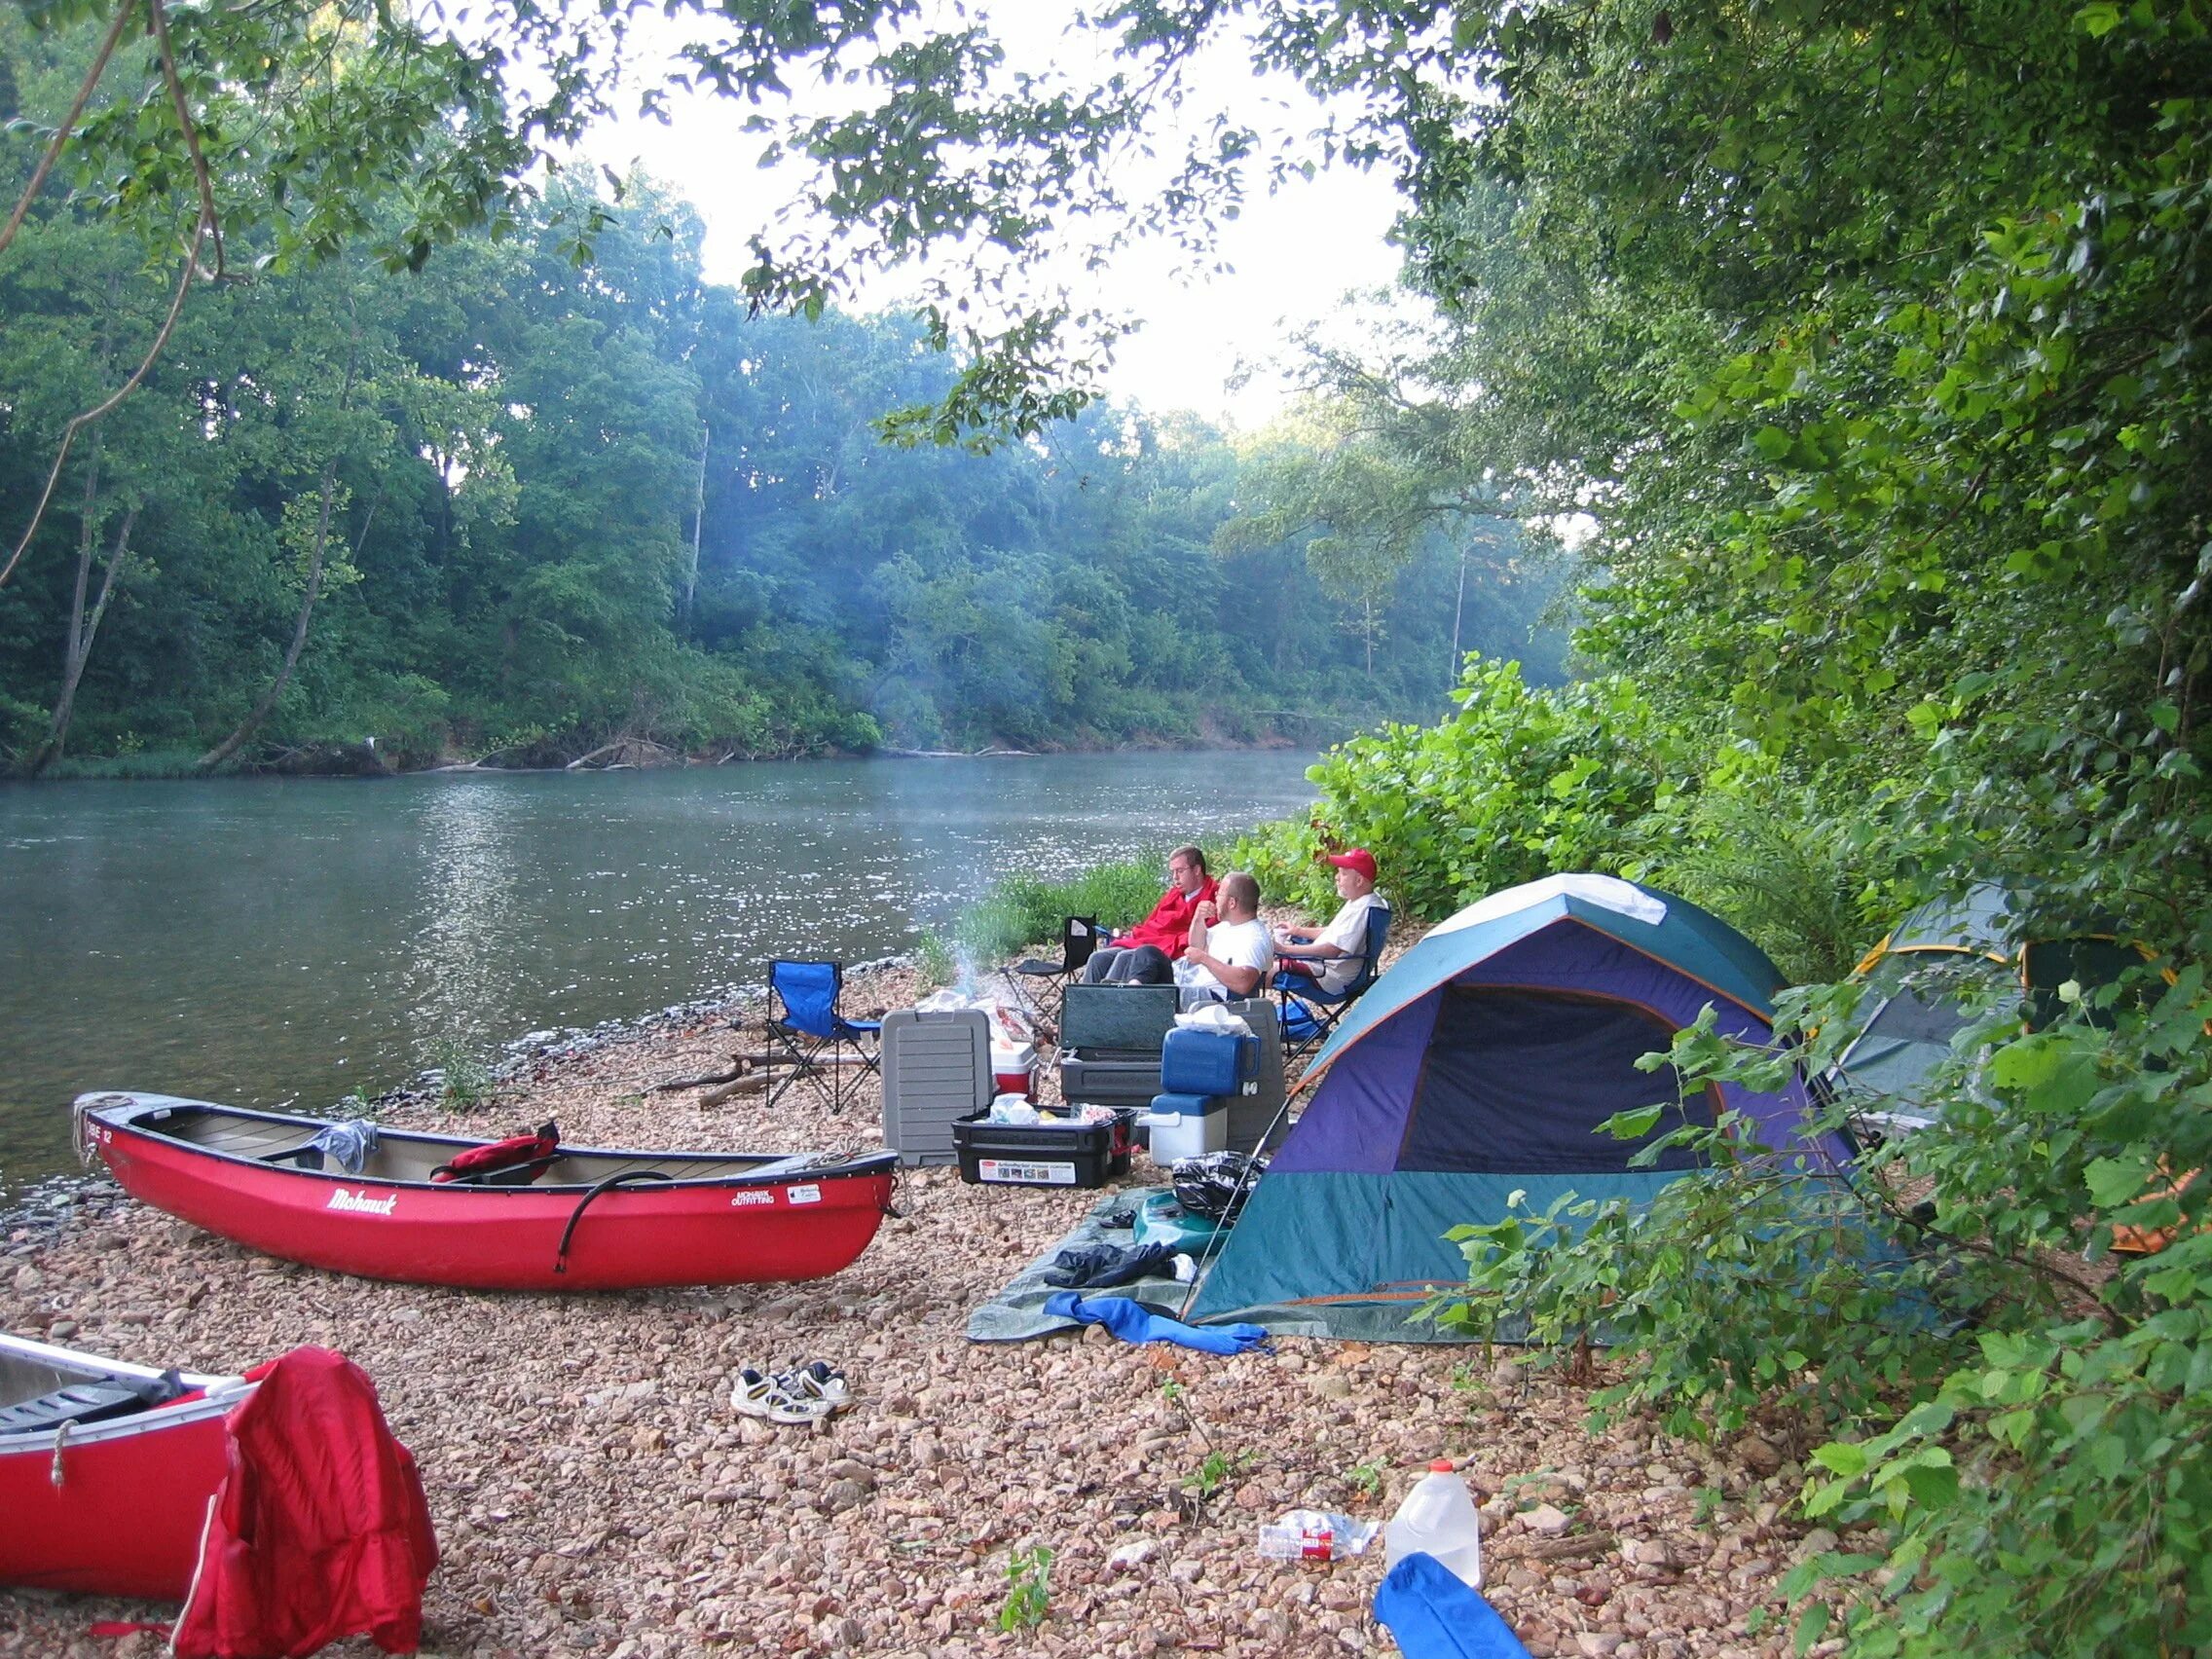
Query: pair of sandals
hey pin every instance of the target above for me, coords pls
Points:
(812, 1393)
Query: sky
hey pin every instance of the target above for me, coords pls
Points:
(1292, 257)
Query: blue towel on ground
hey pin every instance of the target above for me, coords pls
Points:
(1434, 1615)
(1133, 1322)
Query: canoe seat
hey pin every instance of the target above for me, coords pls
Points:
(88, 1402)
(305, 1156)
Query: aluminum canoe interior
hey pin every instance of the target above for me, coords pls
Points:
(34, 1371)
(408, 1157)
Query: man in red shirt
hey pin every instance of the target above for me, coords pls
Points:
(1145, 954)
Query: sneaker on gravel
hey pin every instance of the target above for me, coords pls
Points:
(817, 1381)
(755, 1395)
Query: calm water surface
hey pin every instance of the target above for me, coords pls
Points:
(263, 942)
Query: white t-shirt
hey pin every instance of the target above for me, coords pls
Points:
(1348, 931)
(1240, 944)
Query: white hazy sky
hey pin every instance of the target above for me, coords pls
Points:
(1292, 256)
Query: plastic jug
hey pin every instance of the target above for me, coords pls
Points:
(1438, 1517)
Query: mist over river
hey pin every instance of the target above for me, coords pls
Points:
(264, 941)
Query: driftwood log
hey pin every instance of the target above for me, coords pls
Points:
(736, 1072)
(755, 1083)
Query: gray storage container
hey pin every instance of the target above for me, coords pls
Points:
(1249, 1114)
(936, 1069)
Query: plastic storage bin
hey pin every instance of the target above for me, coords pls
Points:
(1042, 1155)
(936, 1069)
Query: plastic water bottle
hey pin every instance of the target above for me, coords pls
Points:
(1438, 1517)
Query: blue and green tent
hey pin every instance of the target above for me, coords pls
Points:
(1480, 1065)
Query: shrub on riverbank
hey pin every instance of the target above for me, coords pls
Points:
(1024, 910)
(1521, 782)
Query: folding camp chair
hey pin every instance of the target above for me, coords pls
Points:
(1309, 1012)
(804, 1020)
(1079, 937)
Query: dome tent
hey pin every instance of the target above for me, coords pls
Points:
(1478, 1067)
(1925, 981)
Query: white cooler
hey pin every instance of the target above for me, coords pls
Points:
(1187, 1135)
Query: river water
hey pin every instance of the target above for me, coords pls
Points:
(262, 942)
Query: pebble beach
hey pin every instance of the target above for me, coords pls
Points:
(595, 1493)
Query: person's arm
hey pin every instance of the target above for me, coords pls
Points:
(1239, 981)
(1321, 947)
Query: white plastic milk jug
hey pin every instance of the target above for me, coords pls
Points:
(1438, 1517)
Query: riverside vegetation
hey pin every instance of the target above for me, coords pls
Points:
(1869, 340)
(558, 489)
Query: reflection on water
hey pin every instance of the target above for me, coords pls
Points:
(264, 941)
(469, 880)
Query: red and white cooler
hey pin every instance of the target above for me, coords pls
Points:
(1014, 1068)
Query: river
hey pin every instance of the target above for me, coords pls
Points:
(264, 941)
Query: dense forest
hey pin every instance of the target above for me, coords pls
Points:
(540, 496)
(1868, 335)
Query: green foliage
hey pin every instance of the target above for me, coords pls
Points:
(466, 1081)
(1028, 1589)
(1769, 854)
(1215, 1470)
(1024, 910)
(1520, 783)
(1366, 1479)
(1978, 1397)
(935, 962)
(507, 566)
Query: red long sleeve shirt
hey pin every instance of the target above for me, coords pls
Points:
(1170, 924)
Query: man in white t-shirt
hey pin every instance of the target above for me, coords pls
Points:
(1230, 951)
(1333, 956)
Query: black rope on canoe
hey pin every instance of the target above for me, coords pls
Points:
(560, 1256)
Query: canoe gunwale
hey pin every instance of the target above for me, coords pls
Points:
(125, 1114)
(218, 1396)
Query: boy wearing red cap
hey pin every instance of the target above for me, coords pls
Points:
(1333, 956)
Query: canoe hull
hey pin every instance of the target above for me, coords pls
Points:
(674, 1232)
(127, 1516)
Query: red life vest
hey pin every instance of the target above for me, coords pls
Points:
(545, 1142)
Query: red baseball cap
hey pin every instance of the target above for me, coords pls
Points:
(1359, 859)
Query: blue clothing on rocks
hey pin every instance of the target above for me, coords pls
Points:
(1434, 1615)
(1133, 1322)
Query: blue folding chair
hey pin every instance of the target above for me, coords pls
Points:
(804, 1018)
(1309, 1012)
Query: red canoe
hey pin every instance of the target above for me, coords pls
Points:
(577, 1219)
(105, 1470)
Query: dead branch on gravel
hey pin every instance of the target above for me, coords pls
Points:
(736, 1070)
(757, 1083)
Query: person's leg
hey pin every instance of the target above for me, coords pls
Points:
(1101, 963)
(1306, 967)
(1146, 965)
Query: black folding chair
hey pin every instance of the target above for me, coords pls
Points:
(1079, 937)
(805, 1022)
(1309, 1012)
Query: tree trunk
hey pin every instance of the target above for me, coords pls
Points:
(698, 525)
(1459, 659)
(231, 744)
(78, 648)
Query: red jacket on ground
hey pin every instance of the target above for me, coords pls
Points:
(1170, 924)
(319, 1531)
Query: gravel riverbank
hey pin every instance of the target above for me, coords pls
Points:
(595, 1494)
